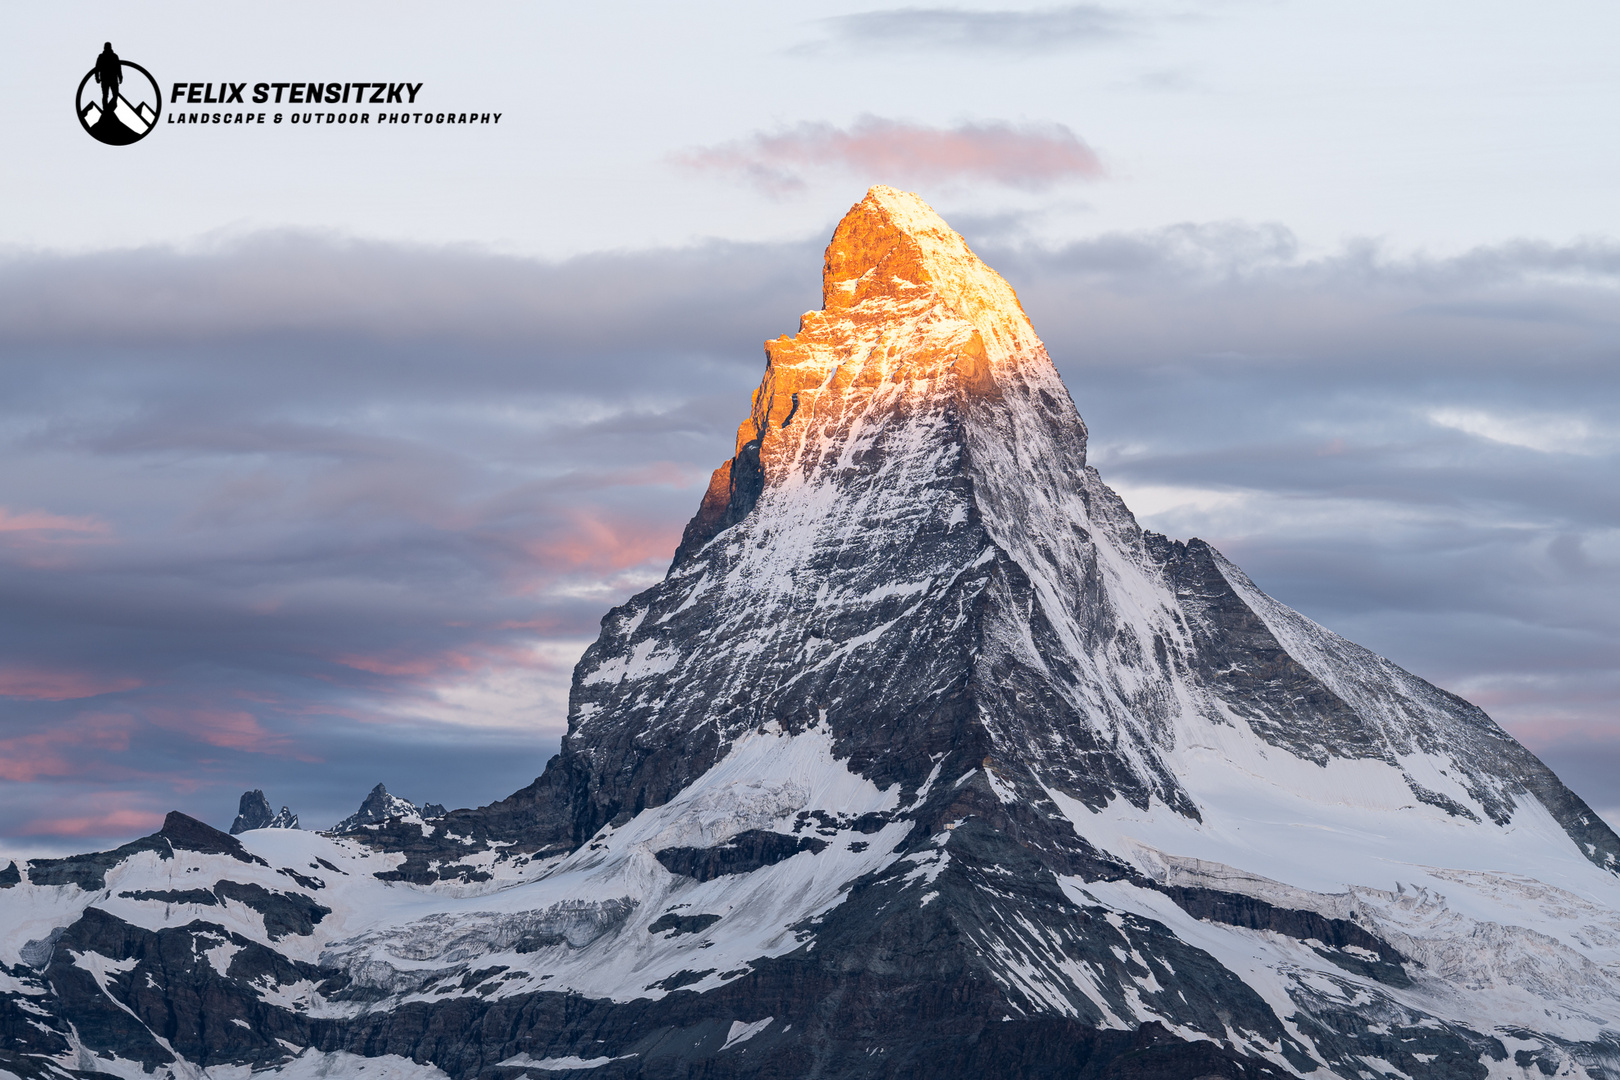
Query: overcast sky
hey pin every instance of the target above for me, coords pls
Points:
(326, 448)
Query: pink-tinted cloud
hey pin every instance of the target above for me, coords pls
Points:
(61, 751)
(108, 823)
(45, 684)
(600, 544)
(226, 728)
(548, 627)
(429, 667)
(41, 540)
(43, 521)
(1539, 731)
(411, 666)
(1029, 156)
(646, 474)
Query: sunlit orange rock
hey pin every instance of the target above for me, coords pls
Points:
(909, 313)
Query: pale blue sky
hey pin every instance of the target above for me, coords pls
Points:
(1433, 126)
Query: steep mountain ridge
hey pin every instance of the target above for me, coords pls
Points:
(918, 424)
(924, 759)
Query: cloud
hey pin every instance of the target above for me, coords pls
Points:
(1030, 156)
(59, 751)
(108, 823)
(226, 728)
(271, 292)
(975, 31)
(1544, 433)
(509, 694)
(40, 521)
(38, 684)
(601, 545)
(40, 538)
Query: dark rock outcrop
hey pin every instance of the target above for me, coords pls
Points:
(681, 924)
(254, 813)
(173, 896)
(185, 833)
(742, 854)
(284, 913)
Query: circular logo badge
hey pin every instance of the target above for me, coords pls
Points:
(123, 100)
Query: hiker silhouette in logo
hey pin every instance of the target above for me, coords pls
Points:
(109, 73)
(122, 118)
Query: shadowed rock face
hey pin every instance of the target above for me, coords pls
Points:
(924, 759)
(254, 813)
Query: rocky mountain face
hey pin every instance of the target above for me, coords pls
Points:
(254, 813)
(380, 808)
(924, 760)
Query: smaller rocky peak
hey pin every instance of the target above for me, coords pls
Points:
(254, 812)
(186, 833)
(379, 807)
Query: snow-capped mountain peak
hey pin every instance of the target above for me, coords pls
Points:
(379, 808)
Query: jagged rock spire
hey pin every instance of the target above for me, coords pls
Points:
(253, 812)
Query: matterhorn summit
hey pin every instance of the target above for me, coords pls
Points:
(923, 760)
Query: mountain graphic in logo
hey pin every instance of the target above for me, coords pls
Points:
(128, 104)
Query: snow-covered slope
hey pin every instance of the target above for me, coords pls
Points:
(924, 759)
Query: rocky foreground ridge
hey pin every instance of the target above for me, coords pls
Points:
(924, 760)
